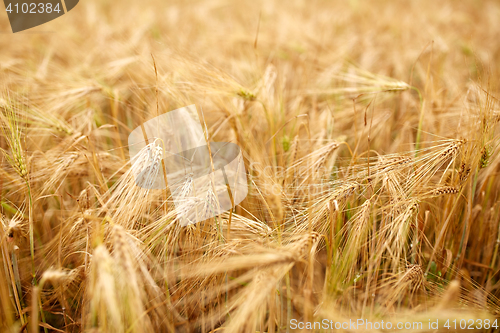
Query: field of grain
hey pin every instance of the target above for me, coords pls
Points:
(370, 132)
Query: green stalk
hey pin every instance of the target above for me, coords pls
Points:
(420, 122)
(32, 241)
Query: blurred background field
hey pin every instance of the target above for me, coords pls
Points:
(370, 133)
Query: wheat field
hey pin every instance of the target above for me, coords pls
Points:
(370, 135)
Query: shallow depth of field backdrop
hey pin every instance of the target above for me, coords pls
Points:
(370, 132)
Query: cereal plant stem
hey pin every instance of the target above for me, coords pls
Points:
(460, 256)
(31, 232)
(420, 122)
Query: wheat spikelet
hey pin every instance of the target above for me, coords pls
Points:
(244, 224)
(324, 153)
(210, 204)
(343, 191)
(463, 172)
(444, 190)
(14, 227)
(134, 299)
(485, 156)
(357, 238)
(12, 132)
(301, 246)
(413, 274)
(55, 275)
(452, 149)
(391, 163)
(63, 166)
(146, 165)
(102, 291)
